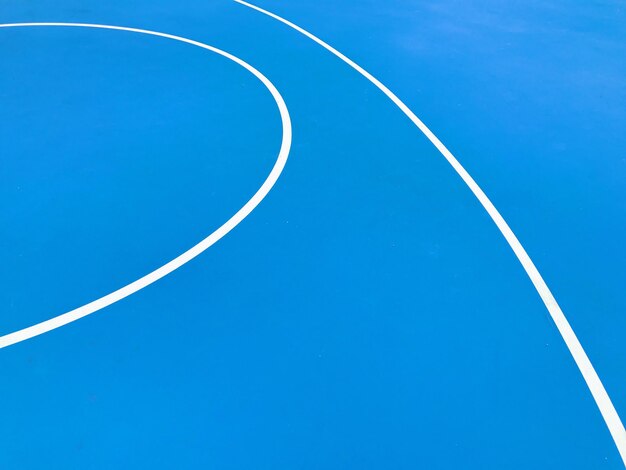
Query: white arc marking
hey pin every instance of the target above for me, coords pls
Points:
(188, 255)
(596, 387)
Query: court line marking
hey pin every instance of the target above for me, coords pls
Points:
(587, 370)
(281, 160)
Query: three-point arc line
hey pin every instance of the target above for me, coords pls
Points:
(599, 393)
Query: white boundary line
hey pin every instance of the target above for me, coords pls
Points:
(596, 387)
(187, 256)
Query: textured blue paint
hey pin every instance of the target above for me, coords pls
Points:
(368, 314)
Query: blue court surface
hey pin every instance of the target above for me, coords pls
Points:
(226, 245)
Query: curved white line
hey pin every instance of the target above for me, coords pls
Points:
(596, 387)
(188, 255)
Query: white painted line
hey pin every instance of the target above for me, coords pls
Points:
(187, 256)
(596, 387)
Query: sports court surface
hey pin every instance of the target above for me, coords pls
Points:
(226, 245)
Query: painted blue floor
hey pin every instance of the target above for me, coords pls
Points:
(368, 314)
